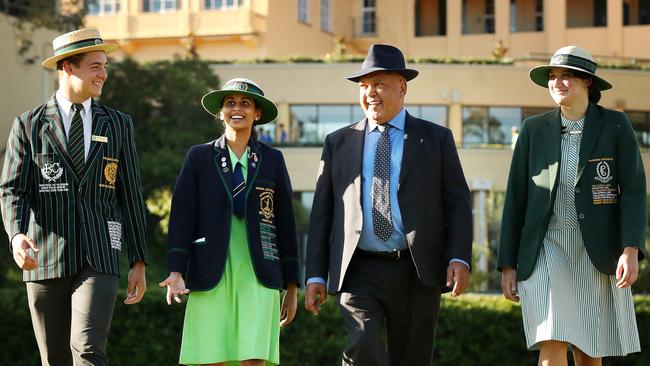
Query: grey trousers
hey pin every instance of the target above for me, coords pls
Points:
(72, 317)
(389, 314)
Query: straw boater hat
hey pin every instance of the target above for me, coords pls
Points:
(569, 57)
(213, 101)
(76, 42)
(383, 57)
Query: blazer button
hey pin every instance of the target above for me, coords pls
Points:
(577, 190)
(358, 232)
(581, 216)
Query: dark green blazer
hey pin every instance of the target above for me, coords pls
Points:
(73, 220)
(610, 190)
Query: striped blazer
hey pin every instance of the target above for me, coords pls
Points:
(73, 219)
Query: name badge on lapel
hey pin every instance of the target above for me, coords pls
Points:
(97, 138)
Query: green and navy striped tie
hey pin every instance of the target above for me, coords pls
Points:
(76, 140)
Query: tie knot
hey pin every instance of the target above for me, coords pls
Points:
(78, 107)
(383, 128)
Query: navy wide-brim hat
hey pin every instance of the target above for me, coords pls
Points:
(383, 57)
(569, 57)
(213, 101)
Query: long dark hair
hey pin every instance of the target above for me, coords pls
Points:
(594, 93)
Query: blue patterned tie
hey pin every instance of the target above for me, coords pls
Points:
(238, 191)
(76, 140)
(382, 221)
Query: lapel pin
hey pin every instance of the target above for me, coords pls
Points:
(225, 169)
(224, 164)
(255, 157)
(253, 164)
(406, 136)
(223, 159)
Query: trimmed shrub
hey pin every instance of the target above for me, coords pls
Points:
(472, 330)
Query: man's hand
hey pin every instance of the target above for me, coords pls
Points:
(289, 305)
(315, 295)
(627, 270)
(20, 244)
(137, 284)
(458, 275)
(175, 287)
(509, 284)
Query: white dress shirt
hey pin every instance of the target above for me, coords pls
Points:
(65, 110)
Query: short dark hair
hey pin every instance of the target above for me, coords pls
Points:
(74, 59)
(594, 93)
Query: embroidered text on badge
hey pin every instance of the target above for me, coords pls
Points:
(52, 173)
(267, 225)
(603, 193)
(115, 233)
(110, 173)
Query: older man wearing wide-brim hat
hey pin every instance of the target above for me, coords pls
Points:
(71, 203)
(391, 221)
(574, 219)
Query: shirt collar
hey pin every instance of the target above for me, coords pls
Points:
(234, 160)
(397, 122)
(65, 105)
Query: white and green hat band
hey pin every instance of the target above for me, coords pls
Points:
(76, 42)
(213, 101)
(569, 57)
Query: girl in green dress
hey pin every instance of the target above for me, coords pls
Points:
(232, 238)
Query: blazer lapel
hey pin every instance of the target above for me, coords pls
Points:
(354, 154)
(54, 132)
(254, 163)
(412, 143)
(223, 165)
(551, 136)
(590, 133)
(99, 128)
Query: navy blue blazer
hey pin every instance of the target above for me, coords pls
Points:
(201, 213)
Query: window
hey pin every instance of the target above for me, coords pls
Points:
(314, 121)
(636, 12)
(478, 16)
(103, 7)
(494, 126)
(434, 113)
(368, 17)
(526, 15)
(586, 13)
(430, 18)
(304, 9)
(641, 125)
(160, 6)
(222, 4)
(326, 15)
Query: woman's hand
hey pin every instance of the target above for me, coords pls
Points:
(289, 305)
(509, 284)
(627, 270)
(175, 287)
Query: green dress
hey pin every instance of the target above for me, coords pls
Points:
(239, 319)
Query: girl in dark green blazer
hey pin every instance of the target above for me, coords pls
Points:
(573, 227)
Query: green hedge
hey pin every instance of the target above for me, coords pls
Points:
(473, 330)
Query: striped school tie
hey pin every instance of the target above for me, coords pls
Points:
(238, 191)
(76, 140)
(382, 221)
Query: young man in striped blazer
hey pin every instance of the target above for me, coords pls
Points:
(71, 201)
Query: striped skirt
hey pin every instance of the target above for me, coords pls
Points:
(567, 299)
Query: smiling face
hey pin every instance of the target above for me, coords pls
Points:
(239, 112)
(381, 95)
(566, 89)
(86, 79)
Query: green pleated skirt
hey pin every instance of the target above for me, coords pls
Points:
(237, 320)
